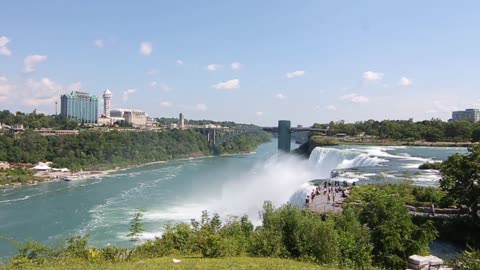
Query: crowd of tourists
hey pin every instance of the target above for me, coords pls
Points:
(331, 191)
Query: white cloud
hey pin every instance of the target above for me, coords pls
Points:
(165, 88)
(280, 96)
(31, 61)
(127, 92)
(166, 104)
(41, 92)
(179, 62)
(3, 46)
(372, 76)
(236, 65)
(162, 86)
(404, 81)
(259, 113)
(213, 67)
(354, 98)
(34, 93)
(6, 89)
(294, 74)
(99, 43)
(330, 108)
(231, 84)
(201, 107)
(146, 48)
(76, 86)
(442, 106)
(152, 72)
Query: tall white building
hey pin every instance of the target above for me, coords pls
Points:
(107, 99)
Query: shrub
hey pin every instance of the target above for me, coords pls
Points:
(469, 260)
(34, 252)
(152, 249)
(179, 238)
(266, 243)
(77, 247)
(428, 194)
(115, 254)
(354, 240)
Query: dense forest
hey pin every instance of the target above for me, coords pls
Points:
(407, 130)
(243, 144)
(96, 149)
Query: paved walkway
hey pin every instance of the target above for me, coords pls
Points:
(320, 204)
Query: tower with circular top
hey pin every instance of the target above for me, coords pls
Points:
(107, 99)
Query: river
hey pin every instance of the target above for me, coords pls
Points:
(177, 191)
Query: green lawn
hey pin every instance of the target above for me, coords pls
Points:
(247, 263)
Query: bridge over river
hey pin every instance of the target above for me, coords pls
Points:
(284, 130)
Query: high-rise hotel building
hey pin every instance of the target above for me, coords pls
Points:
(81, 106)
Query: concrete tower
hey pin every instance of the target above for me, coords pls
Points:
(107, 99)
(284, 135)
(181, 121)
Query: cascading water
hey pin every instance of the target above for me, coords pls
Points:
(324, 160)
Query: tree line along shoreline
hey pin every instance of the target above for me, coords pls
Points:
(98, 151)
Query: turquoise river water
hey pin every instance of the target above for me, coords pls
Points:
(178, 191)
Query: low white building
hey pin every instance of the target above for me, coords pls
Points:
(136, 118)
(43, 167)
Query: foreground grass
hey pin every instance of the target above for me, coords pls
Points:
(247, 263)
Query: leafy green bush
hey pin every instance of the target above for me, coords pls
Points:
(77, 247)
(354, 240)
(34, 252)
(115, 254)
(302, 235)
(178, 238)
(469, 260)
(394, 235)
(428, 194)
(266, 243)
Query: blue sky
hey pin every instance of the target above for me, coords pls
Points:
(246, 61)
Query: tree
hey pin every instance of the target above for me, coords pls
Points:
(136, 226)
(433, 135)
(460, 178)
(393, 234)
(476, 134)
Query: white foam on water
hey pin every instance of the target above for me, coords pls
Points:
(181, 213)
(325, 159)
(22, 198)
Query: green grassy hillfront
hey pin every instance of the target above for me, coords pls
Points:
(247, 263)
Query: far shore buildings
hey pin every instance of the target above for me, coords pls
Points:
(468, 114)
(135, 118)
(81, 106)
(132, 117)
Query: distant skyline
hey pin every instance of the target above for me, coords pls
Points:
(245, 61)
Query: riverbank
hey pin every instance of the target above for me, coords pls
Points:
(52, 176)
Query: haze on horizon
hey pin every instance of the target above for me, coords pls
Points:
(246, 61)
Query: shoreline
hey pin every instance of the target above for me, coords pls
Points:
(49, 177)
